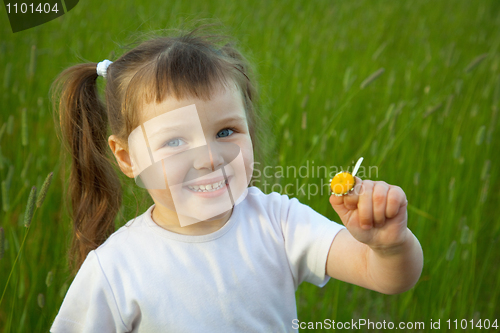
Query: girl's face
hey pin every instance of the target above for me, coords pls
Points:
(194, 157)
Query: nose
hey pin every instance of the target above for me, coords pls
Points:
(210, 159)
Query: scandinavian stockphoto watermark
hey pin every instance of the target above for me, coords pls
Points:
(307, 180)
(172, 150)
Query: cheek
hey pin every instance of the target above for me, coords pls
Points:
(248, 157)
(246, 148)
(162, 197)
(176, 170)
(174, 173)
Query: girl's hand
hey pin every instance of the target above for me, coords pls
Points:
(375, 213)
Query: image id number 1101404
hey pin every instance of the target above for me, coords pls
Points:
(32, 8)
(472, 324)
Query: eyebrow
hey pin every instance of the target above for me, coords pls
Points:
(232, 118)
(162, 131)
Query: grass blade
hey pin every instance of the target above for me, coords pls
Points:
(371, 78)
(25, 168)
(474, 63)
(2, 130)
(10, 174)
(41, 300)
(5, 197)
(43, 191)
(32, 66)
(28, 215)
(2, 242)
(24, 127)
(49, 278)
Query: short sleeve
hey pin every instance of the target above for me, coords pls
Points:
(308, 236)
(89, 304)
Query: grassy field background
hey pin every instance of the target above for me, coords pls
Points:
(429, 123)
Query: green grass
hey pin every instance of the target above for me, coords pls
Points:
(429, 123)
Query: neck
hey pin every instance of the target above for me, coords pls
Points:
(168, 220)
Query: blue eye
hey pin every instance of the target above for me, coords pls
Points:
(174, 143)
(225, 133)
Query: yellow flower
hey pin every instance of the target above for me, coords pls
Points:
(342, 183)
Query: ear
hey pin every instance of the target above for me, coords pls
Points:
(122, 156)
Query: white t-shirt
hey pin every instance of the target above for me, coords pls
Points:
(240, 278)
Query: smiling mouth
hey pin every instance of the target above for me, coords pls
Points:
(208, 187)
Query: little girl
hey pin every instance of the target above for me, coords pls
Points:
(212, 253)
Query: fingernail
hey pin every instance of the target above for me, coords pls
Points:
(367, 226)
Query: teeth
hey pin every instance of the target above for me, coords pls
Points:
(208, 187)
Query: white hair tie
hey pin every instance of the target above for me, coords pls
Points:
(102, 67)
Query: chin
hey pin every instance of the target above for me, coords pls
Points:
(217, 217)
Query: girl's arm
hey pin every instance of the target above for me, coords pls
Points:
(377, 251)
(388, 271)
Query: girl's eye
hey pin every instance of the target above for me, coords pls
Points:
(174, 143)
(225, 132)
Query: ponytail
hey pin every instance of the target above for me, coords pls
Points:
(94, 187)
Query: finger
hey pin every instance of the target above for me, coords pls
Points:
(396, 198)
(365, 206)
(338, 205)
(380, 191)
(352, 198)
